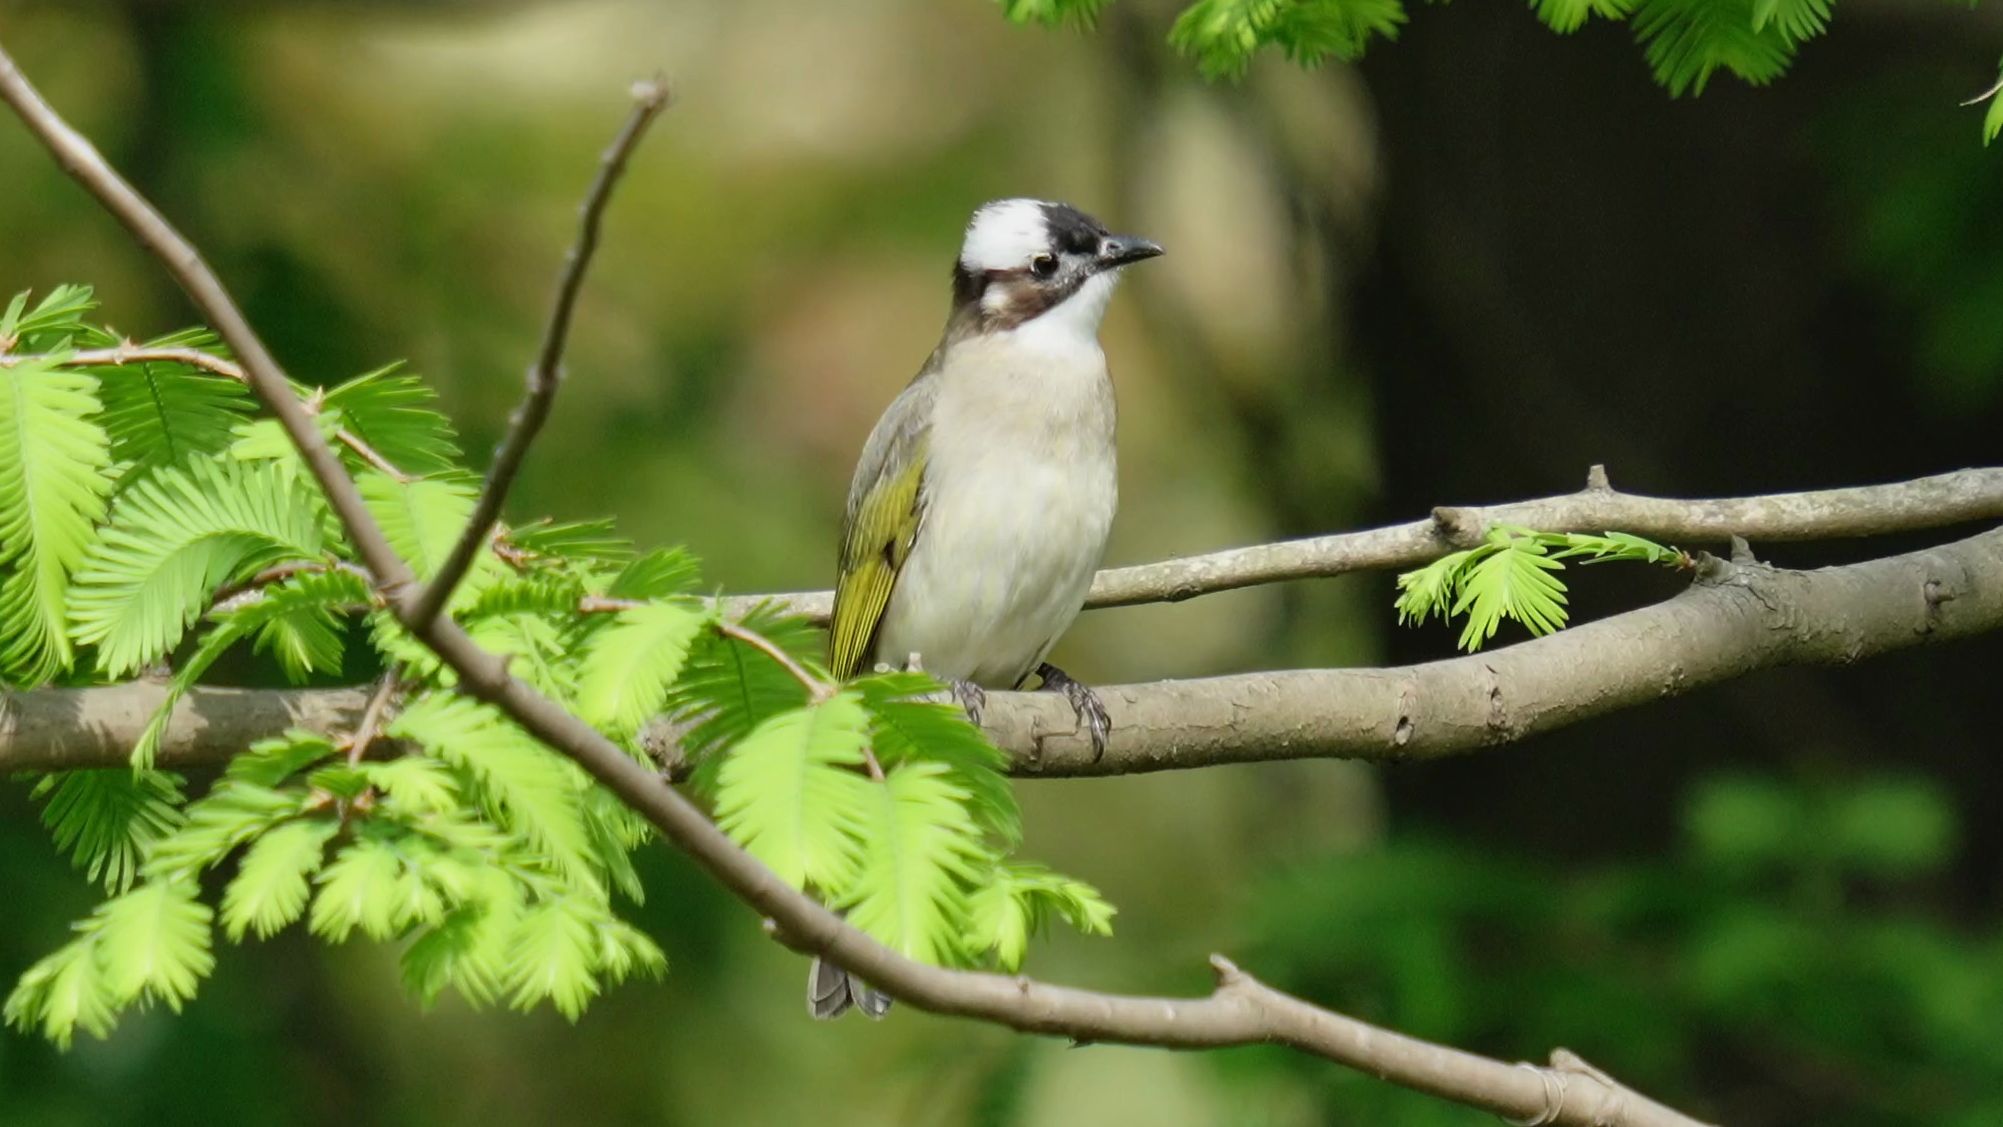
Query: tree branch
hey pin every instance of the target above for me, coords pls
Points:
(1239, 1011)
(1736, 619)
(546, 374)
(1823, 514)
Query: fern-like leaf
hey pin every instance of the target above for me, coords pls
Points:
(1018, 900)
(63, 992)
(1514, 582)
(554, 955)
(396, 414)
(530, 789)
(153, 943)
(231, 814)
(659, 574)
(270, 888)
(172, 541)
(910, 723)
(1568, 16)
(729, 687)
(1223, 35)
(160, 414)
(1687, 41)
(107, 820)
(790, 794)
(629, 664)
(469, 947)
(922, 853)
(358, 889)
(51, 325)
(420, 518)
(54, 461)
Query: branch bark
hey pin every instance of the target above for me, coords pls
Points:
(1736, 619)
(1824, 514)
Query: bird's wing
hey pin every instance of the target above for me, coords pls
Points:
(886, 505)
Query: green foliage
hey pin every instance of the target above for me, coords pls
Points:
(420, 518)
(909, 723)
(1084, 13)
(168, 524)
(921, 853)
(172, 541)
(149, 944)
(1223, 35)
(1568, 16)
(526, 788)
(730, 687)
(1684, 42)
(55, 459)
(1512, 575)
(1992, 118)
(1687, 41)
(106, 820)
(396, 415)
(1019, 900)
(1785, 918)
(791, 794)
(1894, 828)
(160, 414)
(270, 889)
(629, 665)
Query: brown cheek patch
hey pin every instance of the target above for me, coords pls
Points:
(1023, 298)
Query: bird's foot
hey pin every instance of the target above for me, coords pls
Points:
(1090, 709)
(972, 698)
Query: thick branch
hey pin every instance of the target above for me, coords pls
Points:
(1238, 1012)
(546, 374)
(1736, 619)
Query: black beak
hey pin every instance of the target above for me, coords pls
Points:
(1119, 250)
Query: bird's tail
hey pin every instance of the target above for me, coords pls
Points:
(832, 990)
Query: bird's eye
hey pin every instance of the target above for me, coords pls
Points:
(1043, 265)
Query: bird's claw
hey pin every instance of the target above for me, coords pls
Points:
(1091, 711)
(972, 699)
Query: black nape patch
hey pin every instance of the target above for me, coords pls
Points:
(967, 285)
(1072, 230)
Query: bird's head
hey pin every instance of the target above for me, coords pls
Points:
(1030, 260)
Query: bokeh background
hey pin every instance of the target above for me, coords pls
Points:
(1460, 272)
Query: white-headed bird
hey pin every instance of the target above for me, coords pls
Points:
(980, 508)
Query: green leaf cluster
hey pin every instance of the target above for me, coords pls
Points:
(1512, 575)
(1685, 42)
(152, 523)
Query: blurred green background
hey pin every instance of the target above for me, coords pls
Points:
(1461, 272)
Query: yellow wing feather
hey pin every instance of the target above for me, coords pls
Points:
(876, 541)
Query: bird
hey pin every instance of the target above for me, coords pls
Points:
(980, 507)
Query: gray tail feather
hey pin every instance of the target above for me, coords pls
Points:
(832, 990)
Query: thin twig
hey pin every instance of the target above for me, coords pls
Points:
(816, 687)
(121, 355)
(372, 716)
(278, 573)
(1825, 514)
(1238, 1012)
(546, 374)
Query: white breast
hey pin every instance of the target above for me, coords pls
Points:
(1021, 488)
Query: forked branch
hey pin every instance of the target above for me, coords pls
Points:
(1240, 1011)
(546, 374)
